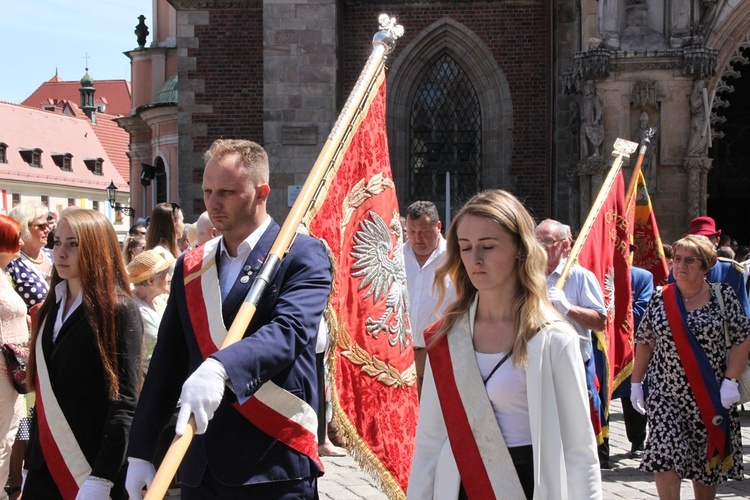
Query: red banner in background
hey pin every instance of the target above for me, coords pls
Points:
(606, 253)
(374, 396)
(649, 255)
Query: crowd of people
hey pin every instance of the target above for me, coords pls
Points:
(124, 340)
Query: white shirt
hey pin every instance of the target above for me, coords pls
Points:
(61, 296)
(581, 289)
(423, 295)
(231, 267)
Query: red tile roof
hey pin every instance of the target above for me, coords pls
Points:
(116, 94)
(116, 141)
(22, 127)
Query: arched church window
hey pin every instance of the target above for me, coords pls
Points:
(445, 136)
(160, 182)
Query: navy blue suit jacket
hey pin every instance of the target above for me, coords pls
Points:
(279, 345)
(642, 283)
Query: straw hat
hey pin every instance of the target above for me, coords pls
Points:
(148, 264)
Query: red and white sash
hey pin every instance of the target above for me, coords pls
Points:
(272, 409)
(484, 464)
(65, 460)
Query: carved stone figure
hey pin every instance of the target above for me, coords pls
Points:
(592, 130)
(698, 143)
(650, 159)
(574, 125)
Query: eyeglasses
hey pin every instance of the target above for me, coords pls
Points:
(142, 233)
(41, 226)
(688, 261)
(549, 243)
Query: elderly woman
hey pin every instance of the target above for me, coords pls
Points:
(691, 403)
(31, 271)
(151, 275)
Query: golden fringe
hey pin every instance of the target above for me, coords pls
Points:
(360, 451)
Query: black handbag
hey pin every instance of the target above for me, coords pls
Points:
(16, 357)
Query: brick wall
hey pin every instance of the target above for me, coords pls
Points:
(518, 37)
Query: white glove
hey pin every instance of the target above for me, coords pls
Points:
(201, 395)
(94, 489)
(730, 393)
(636, 397)
(559, 300)
(140, 475)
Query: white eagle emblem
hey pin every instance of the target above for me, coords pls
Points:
(385, 275)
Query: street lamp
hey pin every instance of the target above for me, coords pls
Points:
(112, 197)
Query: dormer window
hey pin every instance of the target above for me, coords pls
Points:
(32, 156)
(62, 160)
(94, 164)
(3, 152)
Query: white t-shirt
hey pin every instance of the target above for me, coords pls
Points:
(423, 295)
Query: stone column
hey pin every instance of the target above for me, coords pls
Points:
(608, 24)
(591, 173)
(697, 169)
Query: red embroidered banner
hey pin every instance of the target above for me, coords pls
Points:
(649, 255)
(606, 253)
(375, 396)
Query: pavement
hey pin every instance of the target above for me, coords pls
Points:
(344, 479)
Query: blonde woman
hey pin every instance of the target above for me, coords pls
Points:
(504, 408)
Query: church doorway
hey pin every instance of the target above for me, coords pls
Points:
(728, 183)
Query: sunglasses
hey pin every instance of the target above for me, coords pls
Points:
(41, 227)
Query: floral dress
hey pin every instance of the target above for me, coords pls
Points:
(28, 281)
(677, 438)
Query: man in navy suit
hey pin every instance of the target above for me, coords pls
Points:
(642, 283)
(261, 441)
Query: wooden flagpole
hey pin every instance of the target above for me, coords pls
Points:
(356, 104)
(645, 142)
(622, 148)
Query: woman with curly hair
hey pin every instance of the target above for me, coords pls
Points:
(504, 407)
(84, 364)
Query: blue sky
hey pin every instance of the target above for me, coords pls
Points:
(37, 36)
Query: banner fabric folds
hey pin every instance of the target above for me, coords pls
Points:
(650, 254)
(606, 254)
(374, 394)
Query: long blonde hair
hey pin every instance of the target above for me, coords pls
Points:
(531, 309)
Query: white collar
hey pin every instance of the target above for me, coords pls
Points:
(247, 245)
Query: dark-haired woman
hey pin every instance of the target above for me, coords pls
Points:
(166, 227)
(84, 362)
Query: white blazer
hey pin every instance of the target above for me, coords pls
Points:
(566, 464)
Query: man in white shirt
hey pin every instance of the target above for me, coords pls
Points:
(580, 300)
(424, 252)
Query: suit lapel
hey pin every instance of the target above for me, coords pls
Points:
(250, 268)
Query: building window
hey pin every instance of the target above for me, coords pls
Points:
(45, 200)
(62, 160)
(16, 199)
(32, 156)
(95, 205)
(160, 182)
(445, 135)
(3, 152)
(71, 202)
(94, 165)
